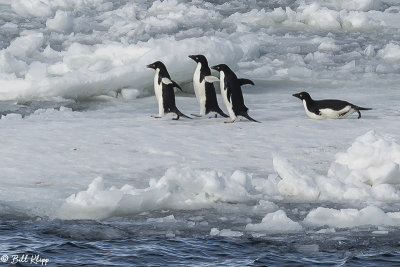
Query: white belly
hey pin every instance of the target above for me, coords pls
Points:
(158, 93)
(200, 89)
(328, 113)
(224, 95)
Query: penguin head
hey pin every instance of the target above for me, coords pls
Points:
(199, 59)
(157, 65)
(221, 67)
(302, 96)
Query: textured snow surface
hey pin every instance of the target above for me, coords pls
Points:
(78, 141)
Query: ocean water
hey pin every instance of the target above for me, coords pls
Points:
(88, 178)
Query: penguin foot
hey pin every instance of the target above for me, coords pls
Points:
(177, 118)
(231, 121)
(213, 117)
(197, 115)
(156, 116)
(359, 114)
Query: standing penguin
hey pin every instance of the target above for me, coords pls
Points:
(204, 88)
(232, 93)
(164, 91)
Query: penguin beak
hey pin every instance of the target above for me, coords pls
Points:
(215, 68)
(192, 57)
(151, 66)
(297, 95)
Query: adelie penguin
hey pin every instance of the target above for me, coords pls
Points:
(204, 88)
(164, 91)
(232, 93)
(329, 108)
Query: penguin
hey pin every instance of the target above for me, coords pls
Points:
(329, 108)
(204, 88)
(164, 91)
(232, 93)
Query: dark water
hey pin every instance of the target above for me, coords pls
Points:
(133, 242)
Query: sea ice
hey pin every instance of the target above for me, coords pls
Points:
(225, 233)
(346, 218)
(276, 222)
(95, 50)
(62, 22)
(371, 159)
(177, 189)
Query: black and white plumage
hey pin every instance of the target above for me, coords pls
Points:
(232, 93)
(164, 91)
(204, 88)
(329, 108)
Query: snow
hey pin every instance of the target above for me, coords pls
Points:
(177, 189)
(293, 183)
(346, 218)
(62, 22)
(390, 53)
(368, 170)
(32, 8)
(319, 17)
(26, 45)
(360, 5)
(78, 141)
(119, 47)
(371, 159)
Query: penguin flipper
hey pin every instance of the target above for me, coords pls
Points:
(167, 81)
(228, 94)
(244, 114)
(245, 81)
(211, 79)
(174, 84)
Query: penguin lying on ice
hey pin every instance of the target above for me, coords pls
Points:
(329, 108)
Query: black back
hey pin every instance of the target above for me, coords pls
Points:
(332, 104)
(315, 105)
